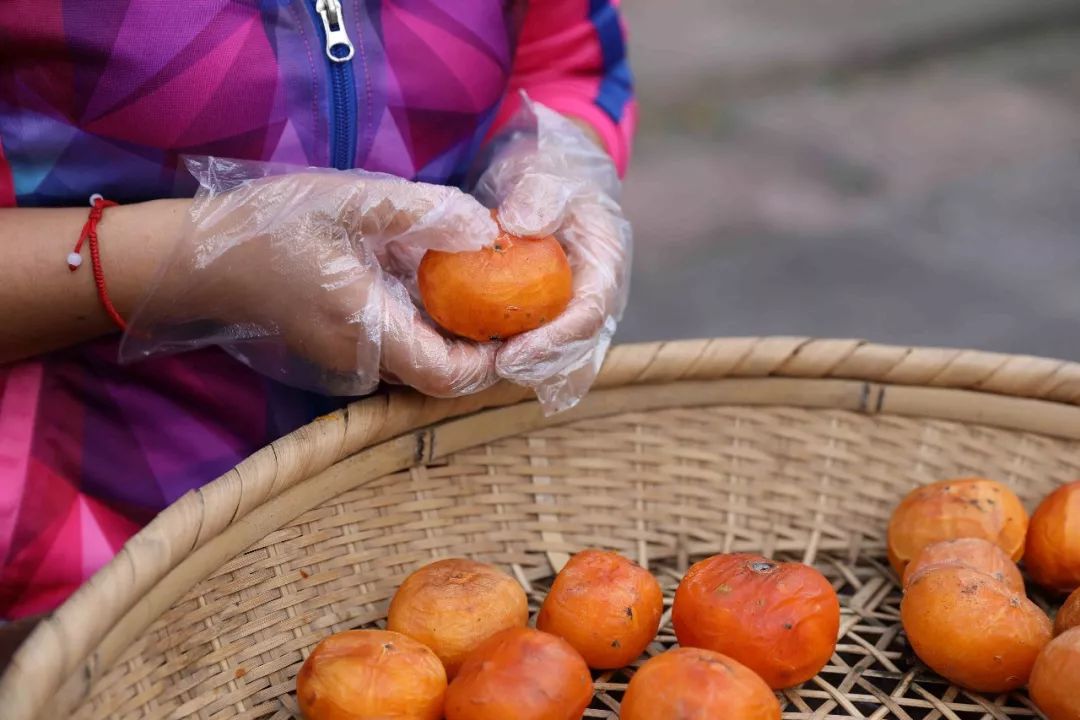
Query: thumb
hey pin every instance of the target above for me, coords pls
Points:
(450, 220)
(445, 218)
(457, 223)
(536, 205)
(416, 354)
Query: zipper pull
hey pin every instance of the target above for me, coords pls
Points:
(333, 22)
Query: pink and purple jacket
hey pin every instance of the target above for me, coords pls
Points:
(105, 96)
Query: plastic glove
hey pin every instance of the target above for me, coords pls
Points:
(547, 176)
(283, 268)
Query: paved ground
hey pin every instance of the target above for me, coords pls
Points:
(896, 171)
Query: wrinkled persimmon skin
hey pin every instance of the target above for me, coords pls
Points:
(524, 674)
(1068, 616)
(364, 674)
(513, 286)
(1053, 555)
(951, 509)
(453, 605)
(779, 619)
(1055, 680)
(974, 553)
(972, 629)
(698, 684)
(606, 606)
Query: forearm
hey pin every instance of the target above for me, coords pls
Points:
(571, 57)
(45, 306)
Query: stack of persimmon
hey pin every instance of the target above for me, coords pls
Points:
(955, 545)
(458, 645)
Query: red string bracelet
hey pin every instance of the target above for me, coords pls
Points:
(89, 235)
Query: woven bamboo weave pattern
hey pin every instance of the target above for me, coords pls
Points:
(662, 486)
(878, 418)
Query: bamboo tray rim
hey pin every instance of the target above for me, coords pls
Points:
(385, 433)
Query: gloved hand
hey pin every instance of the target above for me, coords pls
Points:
(547, 176)
(286, 272)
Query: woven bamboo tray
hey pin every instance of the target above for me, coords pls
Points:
(786, 446)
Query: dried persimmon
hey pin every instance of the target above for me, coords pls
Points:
(699, 684)
(453, 605)
(512, 286)
(364, 674)
(779, 619)
(951, 509)
(605, 605)
(972, 629)
(1068, 616)
(974, 553)
(1053, 555)
(524, 674)
(1055, 680)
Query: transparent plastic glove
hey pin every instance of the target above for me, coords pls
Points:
(283, 268)
(547, 176)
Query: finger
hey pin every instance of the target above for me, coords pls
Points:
(595, 233)
(452, 221)
(335, 333)
(436, 366)
(536, 205)
(416, 215)
(561, 360)
(598, 246)
(415, 354)
(564, 343)
(457, 224)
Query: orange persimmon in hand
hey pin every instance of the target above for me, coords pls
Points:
(510, 287)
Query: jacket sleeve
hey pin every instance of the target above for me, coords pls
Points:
(7, 182)
(571, 57)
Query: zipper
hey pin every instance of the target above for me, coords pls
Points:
(339, 52)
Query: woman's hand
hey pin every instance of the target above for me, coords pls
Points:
(549, 176)
(287, 273)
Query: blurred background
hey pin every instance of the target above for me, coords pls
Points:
(904, 172)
